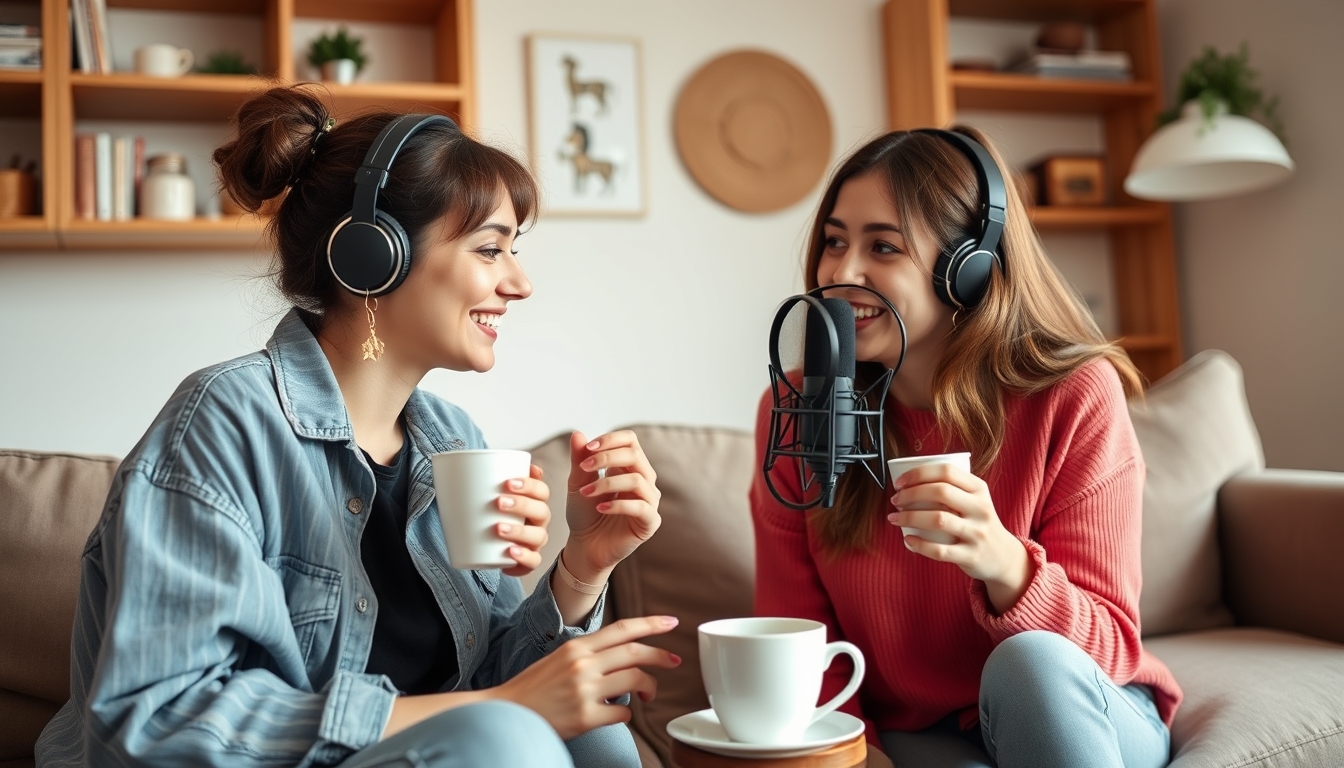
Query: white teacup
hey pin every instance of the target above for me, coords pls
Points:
(163, 60)
(468, 485)
(763, 676)
(898, 467)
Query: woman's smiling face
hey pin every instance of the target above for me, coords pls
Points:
(448, 312)
(867, 244)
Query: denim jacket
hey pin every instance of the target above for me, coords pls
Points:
(224, 616)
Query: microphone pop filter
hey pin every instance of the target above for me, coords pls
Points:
(816, 352)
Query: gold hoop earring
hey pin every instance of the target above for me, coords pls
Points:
(373, 346)
(956, 317)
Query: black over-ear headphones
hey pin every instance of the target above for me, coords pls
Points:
(961, 273)
(368, 251)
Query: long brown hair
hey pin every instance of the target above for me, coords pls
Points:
(1030, 330)
(439, 170)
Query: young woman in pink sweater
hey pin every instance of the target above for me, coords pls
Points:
(1018, 644)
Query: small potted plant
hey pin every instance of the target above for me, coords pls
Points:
(337, 56)
(226, 63)
(1224, 84)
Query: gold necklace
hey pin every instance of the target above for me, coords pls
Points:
(918, 444)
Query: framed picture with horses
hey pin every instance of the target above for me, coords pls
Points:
(587, 147)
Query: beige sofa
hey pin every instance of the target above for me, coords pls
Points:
(1243, 585)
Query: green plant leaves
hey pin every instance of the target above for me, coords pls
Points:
(342, 45)
(1213, 77)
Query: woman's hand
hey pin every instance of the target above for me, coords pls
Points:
(609, 516)
(942, 497)
(528, 500)
(571, 686)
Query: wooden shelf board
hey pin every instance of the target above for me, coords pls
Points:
(211, 98)
(1044, 10)
(995, 90)
(227, 233)
(26, 232)
(386, 11)
(1095, 217)
(232, 7)
(195, 98)
(395, 97)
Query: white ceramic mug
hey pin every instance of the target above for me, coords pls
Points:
(763, 676)
(163, 60)
(898, 467)
(468, 485)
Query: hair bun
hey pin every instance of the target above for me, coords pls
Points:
(275, 132)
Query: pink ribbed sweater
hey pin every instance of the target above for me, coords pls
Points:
(1068, 483)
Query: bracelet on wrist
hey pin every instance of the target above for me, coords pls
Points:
(572, 582)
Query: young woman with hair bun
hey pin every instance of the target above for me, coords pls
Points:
(269, 584)
(1018, 643)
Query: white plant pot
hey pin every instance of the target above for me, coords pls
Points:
(340, 71)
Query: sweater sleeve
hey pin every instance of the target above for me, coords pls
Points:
(787, 581)
(1084, 542)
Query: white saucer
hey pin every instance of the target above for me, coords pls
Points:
(703, 731)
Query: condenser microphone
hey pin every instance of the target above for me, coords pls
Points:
(829, 431)
(826, 427)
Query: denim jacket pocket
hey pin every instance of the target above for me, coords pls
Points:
(488, 579)
(313, 595)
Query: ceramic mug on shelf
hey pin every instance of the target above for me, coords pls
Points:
(763, 675)
(167, 193)
(163, 60)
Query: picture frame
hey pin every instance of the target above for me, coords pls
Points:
(585, 114)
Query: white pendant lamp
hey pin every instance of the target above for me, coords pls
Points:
(1201, 159)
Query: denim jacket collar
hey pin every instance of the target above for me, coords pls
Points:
(311, 398)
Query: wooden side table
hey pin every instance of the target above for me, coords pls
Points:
(850, 754)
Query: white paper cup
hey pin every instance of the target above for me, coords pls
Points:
(898, 467)
(468, 485)
(763, 676)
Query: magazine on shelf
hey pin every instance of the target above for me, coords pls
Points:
(20, 47)
(19, 30)
(1087, 65)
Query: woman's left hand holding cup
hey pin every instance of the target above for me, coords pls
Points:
(527, 499)
(609, 514)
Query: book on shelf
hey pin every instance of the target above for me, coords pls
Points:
(88, 26)
(21, 51)
(1085, 65)
(20, 30)
(85, 172)
(102, 176)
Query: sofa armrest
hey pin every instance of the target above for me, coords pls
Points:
(1282, 535)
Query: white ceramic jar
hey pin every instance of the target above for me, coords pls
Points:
(167, 192)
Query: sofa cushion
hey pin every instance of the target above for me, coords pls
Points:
(700, 565)
(1255, 697)
(1195, 431)
(48, 505)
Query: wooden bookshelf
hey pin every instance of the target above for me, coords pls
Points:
(59, 98)
(923, 90)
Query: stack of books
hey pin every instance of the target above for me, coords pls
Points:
(108, 172)
(88, 27)
(20, 46)
(1083, 65)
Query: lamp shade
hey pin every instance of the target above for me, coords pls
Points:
(1198, 159)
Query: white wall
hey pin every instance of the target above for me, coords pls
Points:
(1262, 274)
(661, 318)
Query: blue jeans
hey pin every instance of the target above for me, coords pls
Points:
(1044, 703)
(497, 734)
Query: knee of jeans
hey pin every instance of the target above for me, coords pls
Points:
(1028, 660)
(509, 734)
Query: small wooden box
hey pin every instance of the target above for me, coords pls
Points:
(1070, 180)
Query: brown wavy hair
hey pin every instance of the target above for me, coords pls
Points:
(278, 149)
(1030, 331)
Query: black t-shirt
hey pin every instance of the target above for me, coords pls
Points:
(412, 642)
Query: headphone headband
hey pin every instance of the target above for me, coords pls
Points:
(368, 252)
(993, 193)
(372, 173)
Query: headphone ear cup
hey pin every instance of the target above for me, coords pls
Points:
(969, 278)
(369, 259)
(943, 269)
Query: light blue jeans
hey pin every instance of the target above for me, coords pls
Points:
(1044, 703)
(497, 734)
